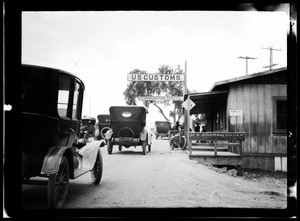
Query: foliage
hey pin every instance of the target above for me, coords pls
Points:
(136, 89)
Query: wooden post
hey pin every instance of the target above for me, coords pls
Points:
(188, 127)
(215, 148)
(241, 148)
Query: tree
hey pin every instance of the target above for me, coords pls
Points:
(136, 89)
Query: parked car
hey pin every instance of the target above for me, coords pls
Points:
(127, 128)
(162, 129)
(87, 128)
(103, 125)
(51, 114)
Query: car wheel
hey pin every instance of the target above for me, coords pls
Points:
(57, 188)
(96, 172)
(109, 146)
(120, 147)
(149, 148)
(144, 144)
(182, 143)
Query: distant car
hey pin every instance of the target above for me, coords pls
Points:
(103, 125)
(127, 128)
(162, 128)
(51, 106)
(87, 128)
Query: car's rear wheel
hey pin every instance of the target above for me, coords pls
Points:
(144, 145)
(96, 172)
(57, 188)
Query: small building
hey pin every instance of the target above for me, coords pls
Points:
(255, 104)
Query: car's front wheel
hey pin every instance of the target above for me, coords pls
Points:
(57, 188)
(96, 172)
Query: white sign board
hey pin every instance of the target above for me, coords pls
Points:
(155, 77)
(235, 113)
(188, 104)
(161, 98)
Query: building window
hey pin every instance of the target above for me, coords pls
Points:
(279, 115)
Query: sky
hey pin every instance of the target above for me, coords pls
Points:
(102, 47)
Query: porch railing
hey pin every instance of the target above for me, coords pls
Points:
(234, 140)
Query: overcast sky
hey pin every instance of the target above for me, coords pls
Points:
(102, 47)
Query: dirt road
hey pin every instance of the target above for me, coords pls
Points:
(166, 178)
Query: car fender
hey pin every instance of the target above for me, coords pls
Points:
(89, 153)
(53, 158)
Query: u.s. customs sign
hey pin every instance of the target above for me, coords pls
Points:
(155, 77)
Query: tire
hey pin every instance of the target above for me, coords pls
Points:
(149, 148)
(109, 146)
(144, 144)
(120, 147)
(58, 183)
(182, 143)
(96, 172)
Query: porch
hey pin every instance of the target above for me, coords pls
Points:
(216, 148)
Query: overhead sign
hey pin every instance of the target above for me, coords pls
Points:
(235, 113)
(161, 98)
(155, 77)
(188, 104)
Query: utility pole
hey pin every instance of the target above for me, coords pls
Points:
(246, 58)
(271, 57)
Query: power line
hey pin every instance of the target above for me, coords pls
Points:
(271, 57)
(246, 58)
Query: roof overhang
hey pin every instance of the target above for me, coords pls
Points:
(204, 102)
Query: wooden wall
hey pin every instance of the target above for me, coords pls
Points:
(256, 102)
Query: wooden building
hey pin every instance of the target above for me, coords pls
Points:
(255, 104)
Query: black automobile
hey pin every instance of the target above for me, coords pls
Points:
(162, 129)
(51, 115)
(127, 128)
(87, 128)
(103, 125)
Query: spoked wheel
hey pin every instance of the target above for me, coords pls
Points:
(109, 146)
(120, 147)
(182, 143)
(57, 188)
(96, 172)
(144, 144)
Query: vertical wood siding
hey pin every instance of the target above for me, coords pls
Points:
(256, 102)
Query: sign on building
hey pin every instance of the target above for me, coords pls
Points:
(155, 77)
(235, 113)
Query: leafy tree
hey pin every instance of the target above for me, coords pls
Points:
(136, 89)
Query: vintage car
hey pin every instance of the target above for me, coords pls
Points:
(127, 128)
(87, 128)
(51, 106)
(88, 123)
(103, 125)
(162, 129)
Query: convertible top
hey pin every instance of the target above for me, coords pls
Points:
(128, 114)
(103, 118)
